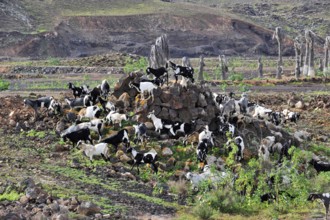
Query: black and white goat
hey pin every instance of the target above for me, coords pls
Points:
(78, 91)
(143, 87)
(95, 125)
(324, 197)
(161, 124)
(206, 134)
(185, 128)
(44, 102)
(238, 141)
(201, 152)
(282, 150)
(275, 118)
(184, 71)
(105, 88)
(80, 102)
(290, 116)
(142, 157)
(92, 112)
(320, 166)
(140, 133)
(107, 106)
(158, 73)
(120, 137)
(75, 134)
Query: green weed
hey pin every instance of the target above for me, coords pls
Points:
(4, 85)
(134, 65)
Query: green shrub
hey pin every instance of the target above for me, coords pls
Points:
(133, 65)
(224, 200)
(4, 85)
(236, 76)
(53, 61)
(203, 211)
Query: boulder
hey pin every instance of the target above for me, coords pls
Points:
(88, 208)
(167, 152)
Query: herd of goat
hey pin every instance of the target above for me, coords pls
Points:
(95, 105)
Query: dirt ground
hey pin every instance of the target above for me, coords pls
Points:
(32, 156)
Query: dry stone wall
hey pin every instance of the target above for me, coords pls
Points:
(171, 102)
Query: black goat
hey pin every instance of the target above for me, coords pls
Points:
(75, 135)
(324, 197)
(77, 91)
(141, 157)
(184, 71)
(320, 166)
(158, 73)
(116, 139)
(95, 94)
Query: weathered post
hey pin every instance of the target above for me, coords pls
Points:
(309, 35)
(260, 68)
(278, 35)
(224, 66)
(159, 53)
(297, 49)
(326, 56)
(201, 68)
(186, 61)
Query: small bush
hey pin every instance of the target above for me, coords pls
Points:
(178, 187)
(203, 211)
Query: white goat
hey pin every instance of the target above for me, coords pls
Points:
(92, 112)
(196, 178)
(206, 134)
(265, 147)
(261, 112)
(116, 118)
(100, 149)
(144, 87)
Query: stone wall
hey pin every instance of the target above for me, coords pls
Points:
(171, 102)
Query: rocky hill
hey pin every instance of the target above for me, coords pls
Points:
(78, 28)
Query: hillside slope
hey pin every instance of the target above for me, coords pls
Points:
(78, 28)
